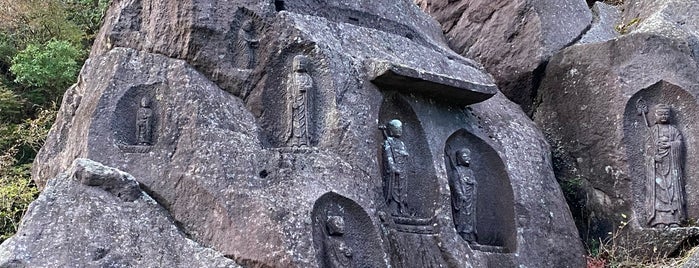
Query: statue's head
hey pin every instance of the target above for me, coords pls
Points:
(300, 63)
(395, 128)
(145, 102)
(247, 26)
(336, 225)
(463, 157)
(663, 112)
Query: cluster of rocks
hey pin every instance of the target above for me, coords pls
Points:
(309, 133)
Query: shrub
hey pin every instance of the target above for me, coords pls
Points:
(16, 192)
(54, 65)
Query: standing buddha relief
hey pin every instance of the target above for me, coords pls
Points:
(395, 159)
(144, 123)
(299, 95)
(463, 195)
(664, 198)
(247, 45)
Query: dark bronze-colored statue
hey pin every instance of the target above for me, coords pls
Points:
(463, 195)
(338, 254)
(395, 159)
(300, 89)
(144, 123)
(247, 43)
(664, 194)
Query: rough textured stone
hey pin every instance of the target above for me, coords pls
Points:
(96, 216)
(605, 22)
(589, 113)
(260, 135)
(512, 39)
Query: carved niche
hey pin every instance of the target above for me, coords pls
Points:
(343, 234)
(410, 186)
(482, 199)
(135, 119)
(246, 30)
(302, 101)
(660, 142)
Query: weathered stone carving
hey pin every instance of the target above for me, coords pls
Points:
(463, 195)
(300, 92)
(663, 155)
(337, 252)
(481, 193)
(344, 235)
(395, 159)
(144, 123)
(247, 44)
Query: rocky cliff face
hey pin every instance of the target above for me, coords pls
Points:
(512, 39)
(614, 89)
(309, 134)
(601, 102)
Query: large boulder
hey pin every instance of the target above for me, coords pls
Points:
(96, 216)
(599, 103)
(263, 128)
(512, 39)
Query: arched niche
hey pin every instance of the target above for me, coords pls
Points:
(245, 34)
(124, 120)
(684, 112)
(421, 184)
(494, 199)
(274, 104)
(355, 244)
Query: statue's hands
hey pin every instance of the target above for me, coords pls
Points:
(346, 250)
(663, 144)
(658, 158)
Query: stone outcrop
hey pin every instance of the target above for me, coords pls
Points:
(600, 103)
(512, 39)
(268, 131)
(96, 216)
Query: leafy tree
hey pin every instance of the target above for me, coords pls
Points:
(54, 65)
(10, 105)
(42, 46)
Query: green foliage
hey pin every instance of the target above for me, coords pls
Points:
(19, 143)
(87, 14)
(626, 27)
(42, 46)
(10, 104)
(16, 192)
(54, 65)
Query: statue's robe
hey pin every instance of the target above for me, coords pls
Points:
(463, 198)
(664, 194)
(396, 163)
(302, 86)
(338, 254)
(144, 126)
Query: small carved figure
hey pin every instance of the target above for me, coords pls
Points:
(664, 194)
(338, 254)
(395, 158)
(463, 195)
(300, 90)
(144, 123)
(247, 43)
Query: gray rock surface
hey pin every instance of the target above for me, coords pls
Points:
(96, 216)
(589, 113)
(606, 21)
(512, 39)
(256, 125)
